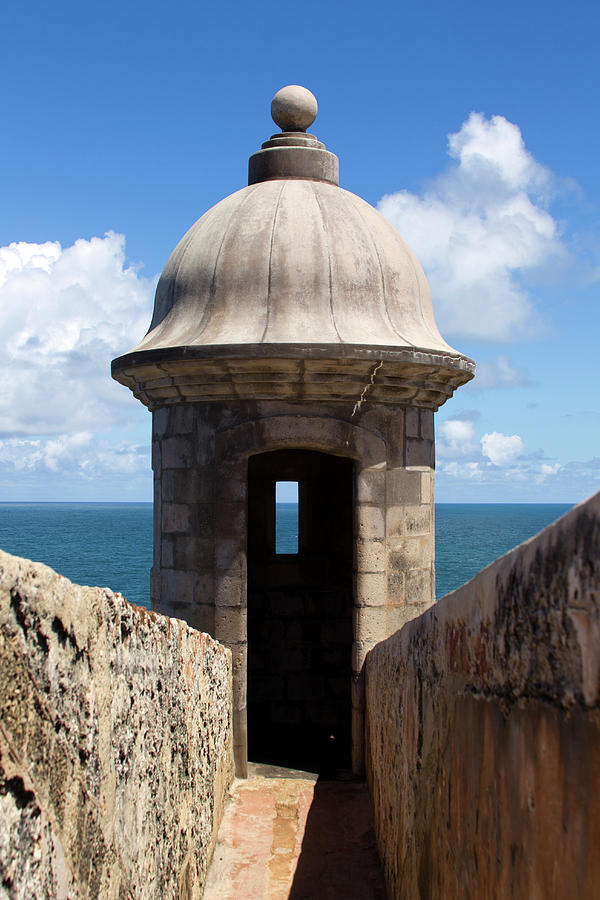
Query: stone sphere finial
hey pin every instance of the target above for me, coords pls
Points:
(294, 108)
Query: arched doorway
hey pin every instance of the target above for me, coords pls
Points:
(300, 614)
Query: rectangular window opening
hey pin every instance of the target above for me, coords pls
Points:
(286, 517)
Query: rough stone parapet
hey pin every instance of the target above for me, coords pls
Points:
(115, 742)
(483, 728)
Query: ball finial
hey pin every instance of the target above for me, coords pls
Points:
(294, 108)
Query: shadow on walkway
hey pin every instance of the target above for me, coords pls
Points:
(338, 857)
(290, 835)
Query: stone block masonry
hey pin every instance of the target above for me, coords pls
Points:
(483, 729)
(115, 743)
(292, 317)
(201, 459)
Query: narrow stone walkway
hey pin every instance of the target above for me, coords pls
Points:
(286, 835)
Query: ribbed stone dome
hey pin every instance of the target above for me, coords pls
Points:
(291, 283)
(293, 261)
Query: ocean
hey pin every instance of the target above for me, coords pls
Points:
(110, 544)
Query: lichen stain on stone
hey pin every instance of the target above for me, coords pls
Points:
(480, 652)
(456, 643)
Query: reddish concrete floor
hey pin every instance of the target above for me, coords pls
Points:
(287, 836)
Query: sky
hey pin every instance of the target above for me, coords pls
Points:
(472, 127)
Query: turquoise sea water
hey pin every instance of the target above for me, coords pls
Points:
(103, 544)
(469, 536)
(110, 544)
(286, 528)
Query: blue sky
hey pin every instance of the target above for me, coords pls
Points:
(472, 126)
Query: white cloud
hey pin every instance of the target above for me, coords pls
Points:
(501, 449)
(456, 438)
(496, 468)
(546, 470)
(469, 470)
(457, 432)
(477, 226)
(498, 374)
(526, 481)
(80, 453)
(64, 314)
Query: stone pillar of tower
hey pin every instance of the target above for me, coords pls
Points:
(293, 338)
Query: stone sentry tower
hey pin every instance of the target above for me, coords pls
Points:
(293, 339)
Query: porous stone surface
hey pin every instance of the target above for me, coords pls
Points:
(483, 729)
(115, 743)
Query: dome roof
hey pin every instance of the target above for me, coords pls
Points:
(290, 283)
(293, 261)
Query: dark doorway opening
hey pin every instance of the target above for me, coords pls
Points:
(300, 614)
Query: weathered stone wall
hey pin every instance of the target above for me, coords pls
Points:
(115, 743)
(483, 729)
